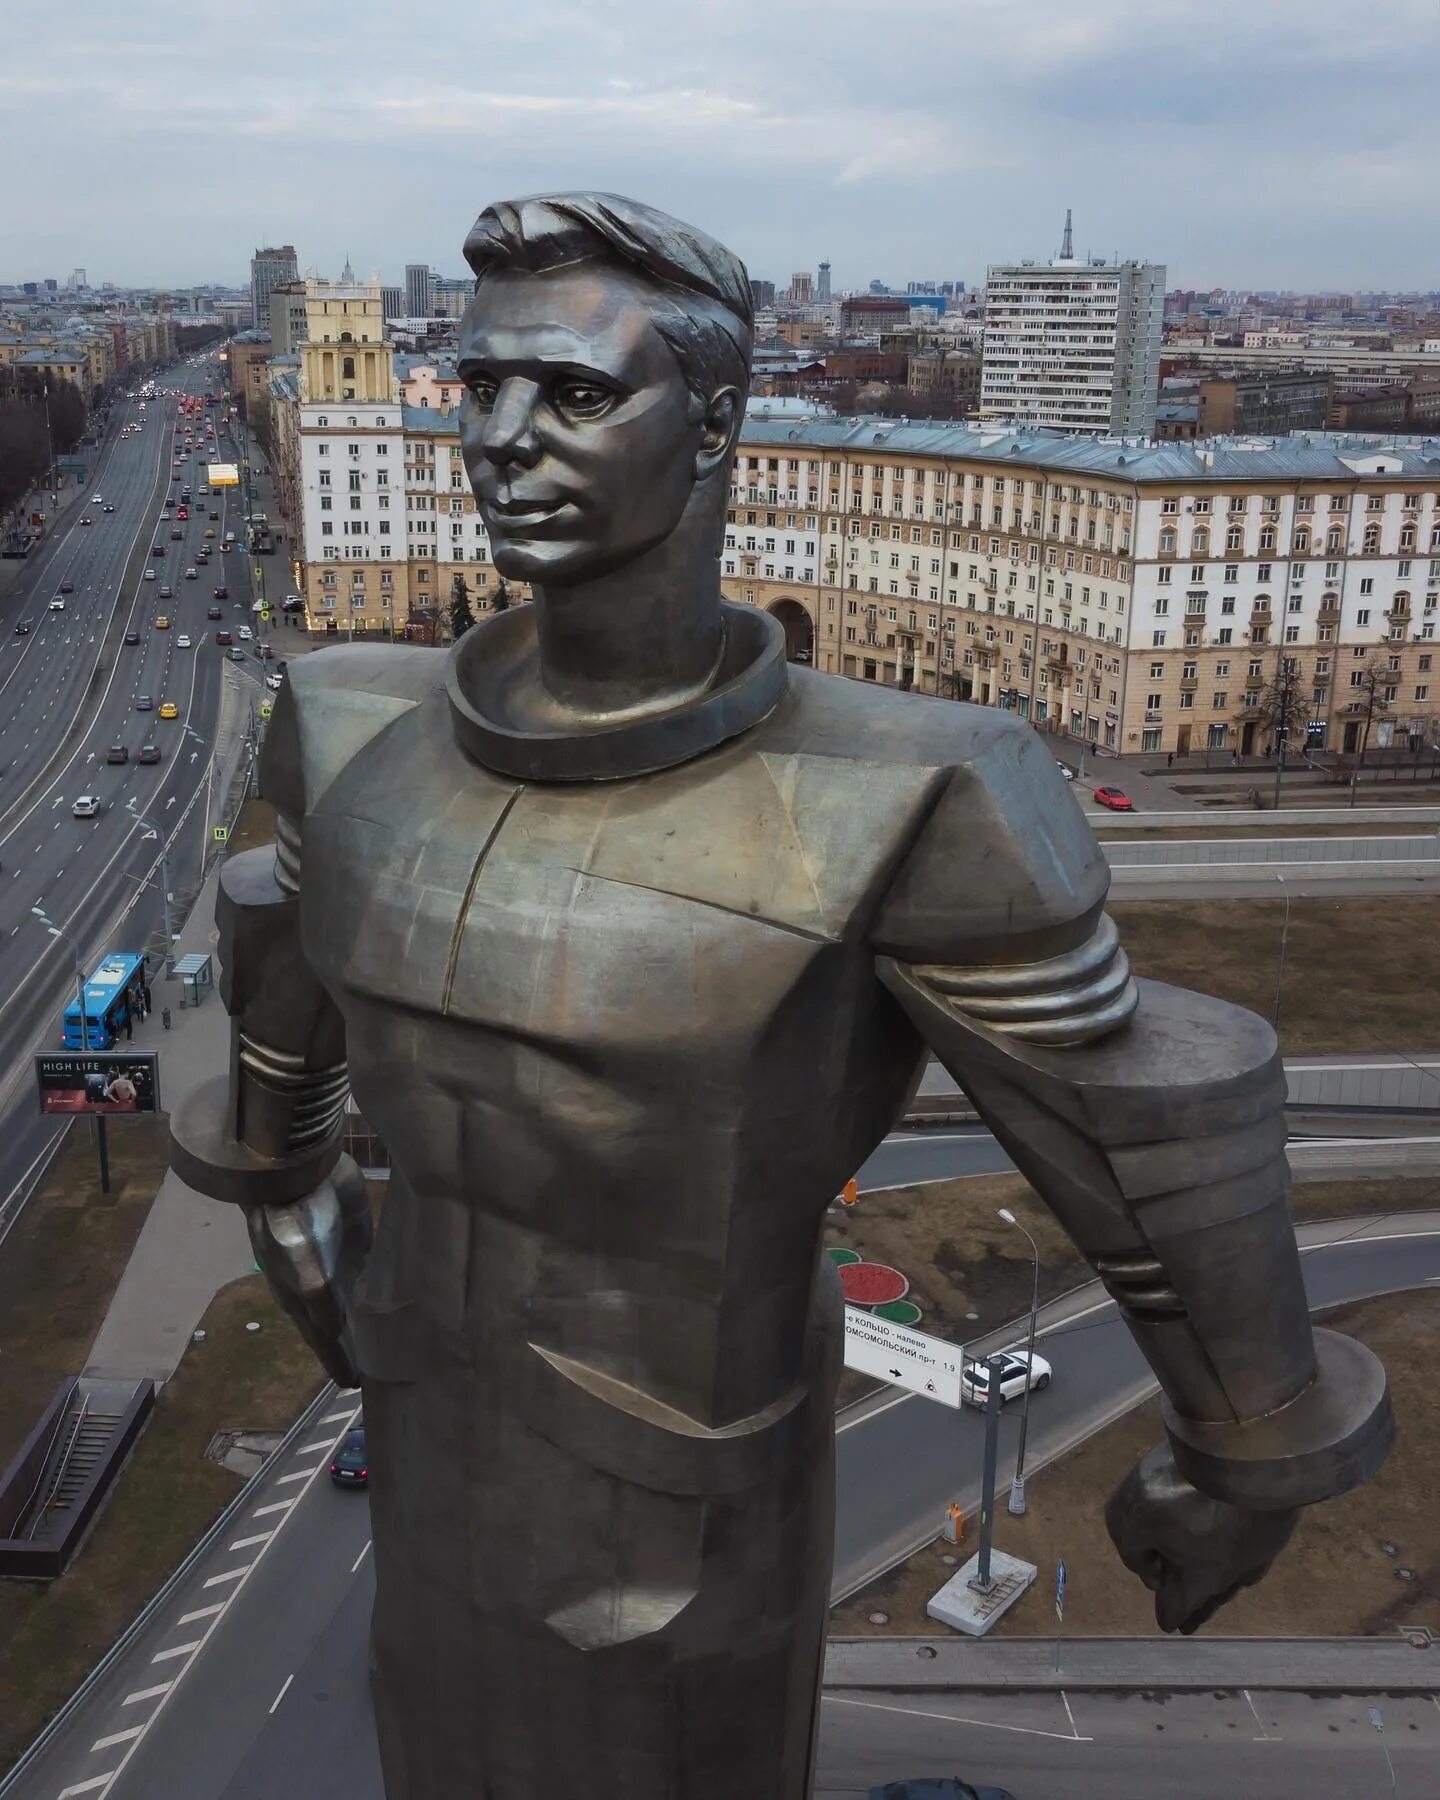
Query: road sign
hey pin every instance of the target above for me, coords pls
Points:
(926, 1365)
(221, 834)
(264, 612)
(264, 709)
(1060, 1577)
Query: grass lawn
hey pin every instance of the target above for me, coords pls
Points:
(1361, 974)
(52, 1634)
(63, 1261)
(1334, 1578)
(254, 826)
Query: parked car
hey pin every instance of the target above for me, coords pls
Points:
(975, 1377)
(117, 753)
(349, 1467)
(1115, 798)
(1067, 772)
(86, 807)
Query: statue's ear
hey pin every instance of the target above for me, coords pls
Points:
(718, 431)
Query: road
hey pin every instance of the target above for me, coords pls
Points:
(68, 689)
(249, 1681)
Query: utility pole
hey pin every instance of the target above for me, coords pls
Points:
(1017, 1486)
(150, 825)
(982, 1582)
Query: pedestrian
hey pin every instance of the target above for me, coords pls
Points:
(129, 1026)
(1169, 759)
(165, 1017)
(1235, 759)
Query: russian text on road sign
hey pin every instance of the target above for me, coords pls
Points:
(221, 834)
(926, 1365)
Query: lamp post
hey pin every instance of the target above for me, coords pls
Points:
(1017, 1486)
(150, 825)
(59, 931)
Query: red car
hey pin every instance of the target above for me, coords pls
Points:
(1115, 798)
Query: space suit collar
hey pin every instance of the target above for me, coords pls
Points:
(500, 656)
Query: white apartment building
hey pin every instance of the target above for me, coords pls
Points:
(1073, 345)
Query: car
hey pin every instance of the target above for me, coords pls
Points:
(1115, 798)
(67, 586)
(350, 1467)
(224, 637)
(182, 512)
(244, 633)
(22, 628)
(149, 753)
(107, 508)
(95, 499)
(169, 710)
(132, 637)
(174, 474)
(213, 612)
(975, 1377)
(143, 703)
(236, 655)
(208, 531)
(938, 1787)
(214, 514)
(86, 807)
(222, 592)
(157, 549)
(117, 753)
(192, 573)
(281, 666)
(182, 642)
(57, 604)
(87, 521)
(1065, 770)
(275, 682)
(176, 535)
(149, 574)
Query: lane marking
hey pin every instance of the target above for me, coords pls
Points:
(1265, 1737)
(117, 1737)
(310, 1449)
(284, 1689)
(274, 1507)
(229, 1575)
(914, 1712)
(361, 1557)
(88, 1787)
(300, 1474)
(176, 1650)
(244, 1543)
(1068, 1714)
(201, 1612)
(335, 1418)
(149, 1693)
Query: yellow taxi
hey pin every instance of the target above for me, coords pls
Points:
(169, 710)
(209, 531)
(162, 623)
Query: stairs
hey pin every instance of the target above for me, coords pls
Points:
(84, 1444)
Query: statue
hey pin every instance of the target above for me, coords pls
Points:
(632, 940)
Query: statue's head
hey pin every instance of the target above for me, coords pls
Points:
(606, 358)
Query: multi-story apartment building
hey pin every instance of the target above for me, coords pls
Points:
(269, 269)
(1073, 345)
(1140, 596)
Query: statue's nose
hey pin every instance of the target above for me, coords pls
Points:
(509, 434)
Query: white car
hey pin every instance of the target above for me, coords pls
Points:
(182, 642)
(86, 807)
(975, 1378)
(57, 604)
(275, 682)
(1068, 773)
(149, 574)
(244, 633)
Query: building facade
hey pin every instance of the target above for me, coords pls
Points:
(1263, 403)
(287, 317)
(1143, 598)
(419, 294)
(1074, 346)
(270, 269)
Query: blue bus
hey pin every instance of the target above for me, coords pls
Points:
(112, 994)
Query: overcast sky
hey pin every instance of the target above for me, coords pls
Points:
(1265, 143)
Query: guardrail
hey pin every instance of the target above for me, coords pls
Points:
(1190, 853)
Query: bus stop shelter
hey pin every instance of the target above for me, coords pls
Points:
(196, 973)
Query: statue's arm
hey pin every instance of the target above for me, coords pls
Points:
(1150, 1120)
(267, 1135)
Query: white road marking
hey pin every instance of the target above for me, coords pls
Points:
(229, 1575)
(1265, 1737)
(88, 1787)
(284, 1689)
(335, 1418)
(174, 1651)
(117, 1737)
(309, 1449)
(149, 1693)
(244, 1543)
(361, 1557)
(1068, 1714)
(914, 1712)
(299, 1474)
(278, 1505)
(201, 1612)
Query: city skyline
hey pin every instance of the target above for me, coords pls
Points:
(1284, 160)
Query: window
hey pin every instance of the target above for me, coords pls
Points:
(1152, 702)
(1363, 616)
(1157, 640)
(1157, 671)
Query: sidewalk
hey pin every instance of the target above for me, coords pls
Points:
(190, 1247)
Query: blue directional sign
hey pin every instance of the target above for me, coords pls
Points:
(1060, 1577)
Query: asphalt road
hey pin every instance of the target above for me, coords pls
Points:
(67, 693)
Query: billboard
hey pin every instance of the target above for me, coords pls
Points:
(98, 1083)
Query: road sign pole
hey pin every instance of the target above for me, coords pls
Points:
(1061, 1580)
(982, 1583)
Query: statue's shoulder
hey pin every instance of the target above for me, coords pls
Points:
(1000, 863)
(333, 703)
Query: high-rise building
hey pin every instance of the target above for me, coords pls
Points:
(822, 286)
(1074, 343)
(392, 302)
(269, 269)
(763, 294)
(287, 317)
(419, 291)
(802, 290)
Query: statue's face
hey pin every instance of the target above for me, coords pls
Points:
(576, 426)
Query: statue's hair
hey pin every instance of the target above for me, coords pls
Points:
(703, 305)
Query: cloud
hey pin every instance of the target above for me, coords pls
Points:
(1273, 144)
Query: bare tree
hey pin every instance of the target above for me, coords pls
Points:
(1369, 700)
(1283, 710)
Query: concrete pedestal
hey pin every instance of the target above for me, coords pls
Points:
(960, 1606)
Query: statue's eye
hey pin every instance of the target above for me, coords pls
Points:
(483, 391)
(583, 399)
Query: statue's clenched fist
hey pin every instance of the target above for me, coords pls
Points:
(312, 1252)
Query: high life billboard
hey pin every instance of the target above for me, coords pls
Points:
(98, 1083)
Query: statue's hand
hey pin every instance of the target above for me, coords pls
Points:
(1192, 1552)
(311, 1253)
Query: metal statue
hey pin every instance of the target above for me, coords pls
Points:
(631, 940)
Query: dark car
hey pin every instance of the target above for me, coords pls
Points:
(157, 549)
(22, 628)
(942, 1787)
(213, 612)
(107, 508)
(143, 703)
(132, 637)
(349, 1466)
(67, 586)
(149, 753)
(222, 593)
(177, 533)
(117, 753)
(224, 637)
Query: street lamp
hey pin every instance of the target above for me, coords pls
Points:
(1284, 941)
(150, 825)
(1017, 1486)
(59, 931)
